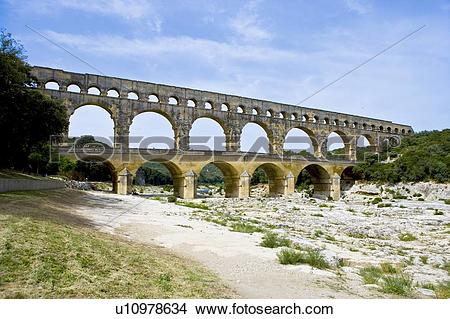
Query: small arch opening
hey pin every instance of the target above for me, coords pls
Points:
(132, 96)
(173, 100)
(240, 109)
(224, 107)
(52, 85)
(93, 90)
(112, 93)
(73, 88)
(191, 103)
(153, 98)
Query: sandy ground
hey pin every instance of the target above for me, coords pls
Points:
(251, 270)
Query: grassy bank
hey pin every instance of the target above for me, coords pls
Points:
(46, 252)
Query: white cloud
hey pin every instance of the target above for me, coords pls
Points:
(204, 48)
(359, 6)
(141, 11)
(247, 23)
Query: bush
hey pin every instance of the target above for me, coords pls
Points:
(407, 237)
(447, 201)
(171, 199)
(371, 274)
(273, 240)
(397, 285)
(311, 257)
(376, 200)
(442, 290)
(242, 227)
(387, 268)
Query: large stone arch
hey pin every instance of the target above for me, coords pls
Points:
(320, 179)
(230, 173)
(266, 128)
(103, 106)
(219, 122)
(309, 133)
(275, 175)
(347, 178)
(165, 116)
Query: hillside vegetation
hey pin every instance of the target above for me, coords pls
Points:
(424, 156)
(46, 252)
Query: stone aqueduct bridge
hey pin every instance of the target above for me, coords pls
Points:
(124, 99)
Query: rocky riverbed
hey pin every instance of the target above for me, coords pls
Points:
(405, 228)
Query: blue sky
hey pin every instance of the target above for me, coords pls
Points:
(275, 50)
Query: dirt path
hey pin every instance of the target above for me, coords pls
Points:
(251, 270)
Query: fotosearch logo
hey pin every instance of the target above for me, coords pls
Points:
(86, 148)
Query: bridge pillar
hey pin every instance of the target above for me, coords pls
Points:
(233, 140)
(289, 187)
(122, 136)
(322, 147)
(350, 148)
(244, 185)
(185, 186)
(335, 190)
(124, 181)
(182, 136)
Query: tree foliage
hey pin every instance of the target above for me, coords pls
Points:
(27, 117)
(424, 156)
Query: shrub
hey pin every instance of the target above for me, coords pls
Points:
(371, 274)
(171, 199)
(397, 284)
(381, 205)
(447, 201)
(424, 259)
(242, 227)
(376, 200)
(312, 257)
(167, 188)
(407, 237)
(387, 268)
(193, 205)
(273, 240)
(290, 257)
(442, 290)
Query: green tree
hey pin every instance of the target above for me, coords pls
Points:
(27, 117)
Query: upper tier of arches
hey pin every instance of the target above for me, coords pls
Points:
(151, 93)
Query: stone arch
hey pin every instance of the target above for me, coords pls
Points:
(208, 105)
(240, 109)
(95, 119)
(206, 139)
(316, 176)
(348, 178)
(152, 128)
(255, 111)
(255, 145)
(224, 107)
(132, 95)
(301, 135)
(230, 177)
(93, 90)
(276, 178)
(113, 92)
(337, 143)
(107, 163)
(153, 98)
(175, 171)
(192, 103)
(173, 100)
(74, 88)
(52, 85)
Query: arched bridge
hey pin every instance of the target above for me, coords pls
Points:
(125, 99)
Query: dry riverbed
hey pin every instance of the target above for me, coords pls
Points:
(404, 228)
